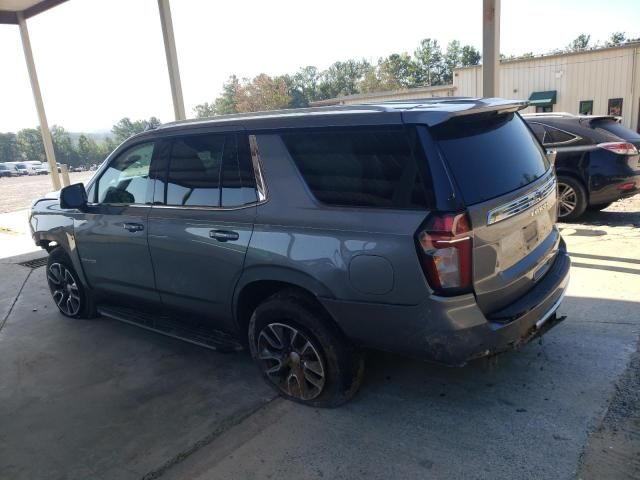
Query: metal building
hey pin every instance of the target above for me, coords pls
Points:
(598, 81)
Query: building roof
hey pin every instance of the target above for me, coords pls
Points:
(544, 56)
(9, 8)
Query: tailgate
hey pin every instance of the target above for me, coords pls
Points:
(514, 243)
(509, 190)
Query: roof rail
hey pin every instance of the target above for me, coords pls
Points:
(275, 113)
(549, 114)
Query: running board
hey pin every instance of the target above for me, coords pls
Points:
(170, 326)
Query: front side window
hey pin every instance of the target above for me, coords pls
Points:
(126, 180)
(360, 167)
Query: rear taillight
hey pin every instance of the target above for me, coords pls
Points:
(444, 246)
(621, 148)
(623, 187)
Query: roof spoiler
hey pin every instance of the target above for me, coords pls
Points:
(587, 119)
(460, 107)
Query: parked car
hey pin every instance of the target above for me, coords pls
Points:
(8, 170)
(34, 167)
(309, 234)
(597, 159)
(19, 167)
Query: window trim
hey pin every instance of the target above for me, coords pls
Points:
(96, 184)
(257, 172)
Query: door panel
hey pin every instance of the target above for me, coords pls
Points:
(116, 259)
(198, 237)
(111, 236)
(193, 269)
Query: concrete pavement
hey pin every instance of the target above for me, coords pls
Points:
(100, 399)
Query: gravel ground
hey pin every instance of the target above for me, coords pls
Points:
(17, 193)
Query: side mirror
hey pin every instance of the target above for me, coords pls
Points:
(73, 197)
(551, 156)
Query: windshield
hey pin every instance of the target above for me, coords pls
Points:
(490, 154)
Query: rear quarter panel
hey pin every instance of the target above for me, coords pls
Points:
(297, 239)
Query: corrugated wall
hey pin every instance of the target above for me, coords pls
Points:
(595, 75)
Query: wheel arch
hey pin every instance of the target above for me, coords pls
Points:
(259, 283)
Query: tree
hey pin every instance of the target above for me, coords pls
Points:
(9, 151)
(342, 78)
(205, 110)
(428, 57)
(126, 128)
(580, 43)
(469, 56)
(63, 147)
(452, 59)
(262, 93)
(30, 144)
(615, 39)
(398, 71)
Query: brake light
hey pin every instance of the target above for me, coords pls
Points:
(623, 187)
(444, 245)
(621, 148)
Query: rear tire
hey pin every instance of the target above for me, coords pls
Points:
(302, 354)
(69, 294)
(599, 206)
(572, 199)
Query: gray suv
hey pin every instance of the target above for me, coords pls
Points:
(425, 228)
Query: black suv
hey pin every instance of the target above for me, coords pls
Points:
(597, 159)
(426, 229)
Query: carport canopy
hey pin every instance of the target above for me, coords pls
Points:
(543, 99)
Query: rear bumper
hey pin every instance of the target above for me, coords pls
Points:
(607, 190)
(454, 330)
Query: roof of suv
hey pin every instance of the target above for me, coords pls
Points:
(431, 111)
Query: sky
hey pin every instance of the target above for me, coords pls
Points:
(99, 61)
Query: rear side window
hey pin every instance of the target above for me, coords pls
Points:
(207, 170)
(558, 136)
(359, 167)
(490, 155)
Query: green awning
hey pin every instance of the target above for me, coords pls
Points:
(543, 99)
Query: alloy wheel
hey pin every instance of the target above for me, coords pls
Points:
(567, 199)
(291, 361)
(64, 289)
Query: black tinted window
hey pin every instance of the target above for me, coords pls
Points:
(539, 132)
(558, 136)
(207, 171)
(359, 167)
(238, 180)
(490, 155)
(194, 171)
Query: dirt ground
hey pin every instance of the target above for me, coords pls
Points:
(17, 193)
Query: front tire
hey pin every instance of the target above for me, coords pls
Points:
(302, 354)
(70, 296)
(572, 199)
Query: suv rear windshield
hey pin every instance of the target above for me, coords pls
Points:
(490, 155)
(618, 130)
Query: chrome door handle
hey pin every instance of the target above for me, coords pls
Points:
(133, 227)
(224, 235)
